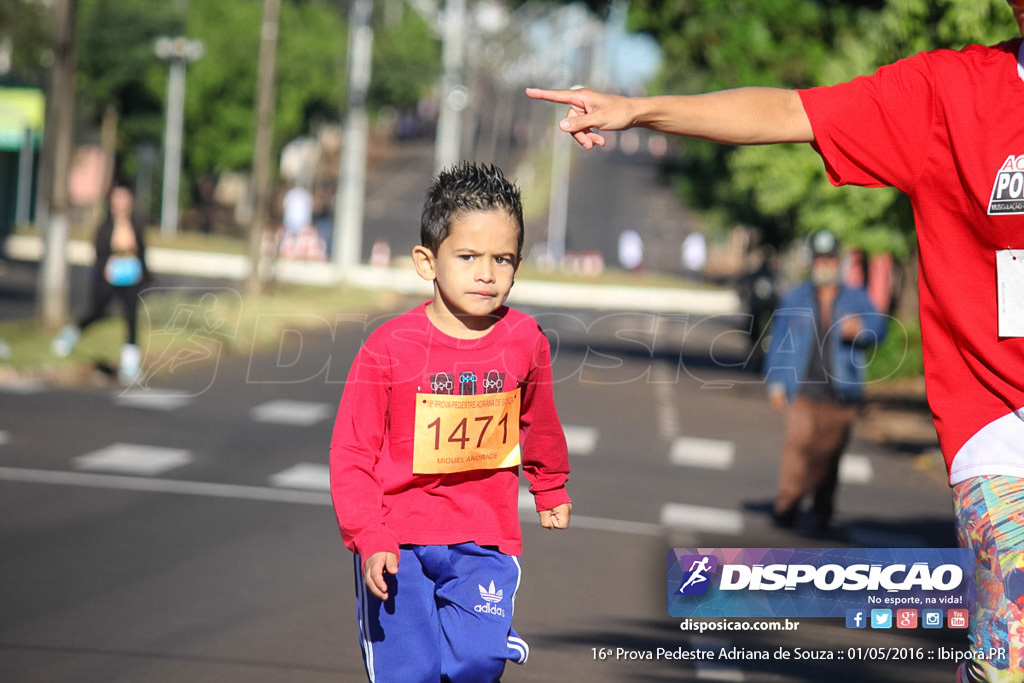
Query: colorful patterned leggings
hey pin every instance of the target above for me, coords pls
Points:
(990, 521)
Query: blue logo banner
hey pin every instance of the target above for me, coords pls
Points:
(816, 582)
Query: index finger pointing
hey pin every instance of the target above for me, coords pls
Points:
(561, 96)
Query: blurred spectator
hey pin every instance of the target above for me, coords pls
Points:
(297, 208)
(299, 238)
(695, 254)
(120, 271)
(631, 250)
(814, 373)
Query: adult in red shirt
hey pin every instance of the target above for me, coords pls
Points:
(945, 127)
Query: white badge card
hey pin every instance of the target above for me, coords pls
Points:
(1010, 280)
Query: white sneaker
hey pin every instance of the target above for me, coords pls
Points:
(65, 341)
(129, 369)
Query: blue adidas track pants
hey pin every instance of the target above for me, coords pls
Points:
(448, 616)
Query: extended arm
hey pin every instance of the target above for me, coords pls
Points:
(744, 116)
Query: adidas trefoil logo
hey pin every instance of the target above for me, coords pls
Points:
(489, 594)
(491, 597)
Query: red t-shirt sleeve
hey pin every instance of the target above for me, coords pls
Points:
(545, 455)
(874, 131)
(356, 443)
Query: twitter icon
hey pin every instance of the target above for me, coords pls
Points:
(881, 618)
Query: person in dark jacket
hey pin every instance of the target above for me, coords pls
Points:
(814, 372)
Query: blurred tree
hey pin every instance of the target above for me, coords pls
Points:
(118, 67)
(222, 85)
(781, 189)
(311, 75)
(599, 7)
(406, 63)
(25, 32)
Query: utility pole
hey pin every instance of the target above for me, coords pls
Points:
(454, 97)
(52, 298)
(351, 195)
(263, 144)
(179, 52)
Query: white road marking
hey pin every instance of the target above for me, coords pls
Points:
(581, 440)
(666, 412)
(130, 458)
(712, 454)
(267, 494)
(716, 520)
(192, 488)
(855, 469)
(299, 413)
(309, 476)
(5, 438)
(155, 399)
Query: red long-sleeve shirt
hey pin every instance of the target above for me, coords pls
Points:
(379, 501)
(945, 127)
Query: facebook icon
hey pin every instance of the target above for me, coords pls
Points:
(856, 618)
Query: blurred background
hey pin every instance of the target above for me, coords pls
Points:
(179, 526)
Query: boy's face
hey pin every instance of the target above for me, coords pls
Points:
(472, 271)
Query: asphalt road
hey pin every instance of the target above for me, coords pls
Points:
(183, 531)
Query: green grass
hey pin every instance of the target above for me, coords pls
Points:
(168, 321)
(194, 241)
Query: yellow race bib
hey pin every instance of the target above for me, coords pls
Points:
(463, 433)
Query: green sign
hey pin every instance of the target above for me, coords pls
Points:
(20, 109)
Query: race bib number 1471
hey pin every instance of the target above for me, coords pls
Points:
(462, 433)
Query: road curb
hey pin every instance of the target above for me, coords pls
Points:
(405, 281)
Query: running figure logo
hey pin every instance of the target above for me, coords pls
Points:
(696, 581)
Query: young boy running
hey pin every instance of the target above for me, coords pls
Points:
(441, 407)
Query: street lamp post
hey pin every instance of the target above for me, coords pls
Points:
(179, 52)
(349, 200)
(454, 96)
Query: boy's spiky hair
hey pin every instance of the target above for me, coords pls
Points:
(461, 189)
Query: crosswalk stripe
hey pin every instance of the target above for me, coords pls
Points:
(580, 440)
(855, 469)
(665, 410)
(712, 454)
(717, 520)
(299, 413)
(308, 476)
(156, 399)
(133, 458)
